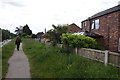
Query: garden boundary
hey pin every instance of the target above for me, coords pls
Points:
(106, 57)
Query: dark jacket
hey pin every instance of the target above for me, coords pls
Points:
(18, 41)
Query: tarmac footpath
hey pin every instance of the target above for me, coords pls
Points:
(18, 65)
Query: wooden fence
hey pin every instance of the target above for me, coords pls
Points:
(106, 57)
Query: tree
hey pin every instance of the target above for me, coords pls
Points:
(19, 30)
(26, 30)
(7, 35)
(54, 34)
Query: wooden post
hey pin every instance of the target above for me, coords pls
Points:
(76, 51)
(106, 58)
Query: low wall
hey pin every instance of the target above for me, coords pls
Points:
(98, 55)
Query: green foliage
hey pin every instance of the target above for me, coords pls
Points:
(19, 30)
(54, 34)
(34, 36)
(28, 36)
(81, 41)
(23, 35)
(6, 34)
(27, 30)
(53, 62)
(7, 51)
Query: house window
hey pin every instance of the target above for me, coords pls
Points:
(95, 24)
(82, 25)
(85, 24)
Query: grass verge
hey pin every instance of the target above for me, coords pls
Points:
(49, 62)
(7, 51)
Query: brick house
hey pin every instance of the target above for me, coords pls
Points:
(74, 28)
(106, 24)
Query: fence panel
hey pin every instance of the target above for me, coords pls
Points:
(98, 55)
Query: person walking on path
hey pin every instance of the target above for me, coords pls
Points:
(17, 42)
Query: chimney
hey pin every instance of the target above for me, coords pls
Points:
(45, 30)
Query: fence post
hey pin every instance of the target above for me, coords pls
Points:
(106, 58)
(76, 51)
(61, 45)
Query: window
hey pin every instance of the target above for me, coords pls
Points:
(85, 24)
(95, 24)
(82, 25)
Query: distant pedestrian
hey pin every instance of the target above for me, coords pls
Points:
(17, 42)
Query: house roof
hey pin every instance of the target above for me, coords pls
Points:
(74, 28)
(40, 33)
(86, 33)
(108, 11)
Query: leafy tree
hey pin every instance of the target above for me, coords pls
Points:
(7, 35)
(54, 34)
(26, 30)
(19, 30)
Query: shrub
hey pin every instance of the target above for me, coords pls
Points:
(27, 36)
(23, 35)
(81, 41)
(34, 36)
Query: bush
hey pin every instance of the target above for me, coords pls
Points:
(23, 35)
(27, 36)
(81, 41)
(34, 36)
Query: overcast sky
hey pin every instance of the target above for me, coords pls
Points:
(41, 14)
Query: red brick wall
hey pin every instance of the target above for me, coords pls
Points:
(113, 22)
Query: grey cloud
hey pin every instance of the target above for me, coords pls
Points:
(13, 3)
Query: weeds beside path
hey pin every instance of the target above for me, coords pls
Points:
(7, 51)
(54, 62)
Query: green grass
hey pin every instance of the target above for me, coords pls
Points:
(50, 62)
(7, 51)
